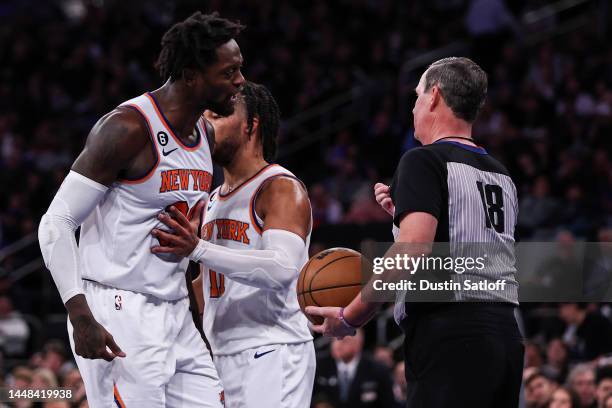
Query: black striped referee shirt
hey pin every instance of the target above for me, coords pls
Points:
(474, 200)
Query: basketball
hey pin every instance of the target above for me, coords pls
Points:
(330, 278)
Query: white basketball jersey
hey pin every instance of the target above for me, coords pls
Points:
(115, 241)
(238, 317)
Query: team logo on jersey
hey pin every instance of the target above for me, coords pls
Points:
(185, 180)
(165, 153)
(233, 230)
(162, 138)
(118, 304)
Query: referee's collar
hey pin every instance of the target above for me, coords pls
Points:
(475, 149)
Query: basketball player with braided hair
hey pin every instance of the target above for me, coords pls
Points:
(255, 238)
(129, 322)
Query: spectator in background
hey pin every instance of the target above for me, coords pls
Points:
(598, 271)
(538, 208)
(73, 381)
(559, 274)
(54, 358)
(604, 385)
(574, 212)
(364, 209)
(21, 378)
(325, 208)
(533, 355)
(56, 404)
(321, 403)
(581, 380)
(400, 386)
(538, 390)
(44, 378)
(588, 334)
(556, 360)
(489, 22)
(14, 331)
(384, 355)
(352, 379)
(344, 182)
(563, 397)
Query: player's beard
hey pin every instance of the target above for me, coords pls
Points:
(226, 150)
(222, 108)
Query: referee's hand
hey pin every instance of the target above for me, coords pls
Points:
(383, 198)
(332, 325)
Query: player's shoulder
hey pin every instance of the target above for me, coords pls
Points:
(280, 180)
(122, 125)
(122, 120)
(279, 185)
(274, 169)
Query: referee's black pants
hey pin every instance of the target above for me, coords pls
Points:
(463, 355)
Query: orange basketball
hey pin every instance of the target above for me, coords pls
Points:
(330, 278)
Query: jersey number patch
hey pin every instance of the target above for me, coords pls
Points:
(217, 284)
(493, 204)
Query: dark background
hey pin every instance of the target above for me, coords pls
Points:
(343, 73)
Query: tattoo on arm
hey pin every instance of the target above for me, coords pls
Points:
(112, 144)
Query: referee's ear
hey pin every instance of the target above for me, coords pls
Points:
(436, 97)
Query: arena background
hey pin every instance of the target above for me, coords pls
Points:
(343, 73)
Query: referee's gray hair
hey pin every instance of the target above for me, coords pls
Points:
(462, 83)
(578, 370)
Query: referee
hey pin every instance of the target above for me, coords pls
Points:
(457, 354)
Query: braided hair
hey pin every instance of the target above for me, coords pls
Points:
(260, 103)
(192, 43)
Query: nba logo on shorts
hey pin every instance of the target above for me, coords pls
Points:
(118, 305)
(222, 398)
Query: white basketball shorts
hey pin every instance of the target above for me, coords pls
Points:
(166, 364)
(278, 375)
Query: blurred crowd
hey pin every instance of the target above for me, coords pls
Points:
(49, 368)
(547, 118)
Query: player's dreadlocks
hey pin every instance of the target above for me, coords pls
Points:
(260, 103)
(192, 43)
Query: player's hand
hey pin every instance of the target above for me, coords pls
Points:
(182, 240)
(92, 341)
(332, 325)
(383, 198)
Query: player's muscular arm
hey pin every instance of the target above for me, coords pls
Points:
(276, 265)
(283, 204)
(110, 148)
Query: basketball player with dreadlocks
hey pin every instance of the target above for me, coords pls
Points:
(256, 234)
(129, 322)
